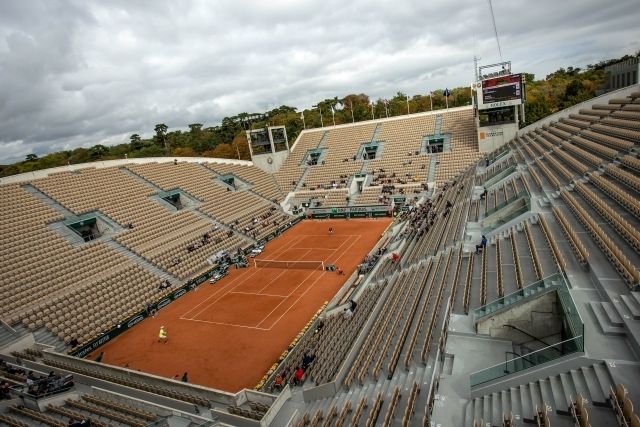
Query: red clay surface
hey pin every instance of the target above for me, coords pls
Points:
(227, 335)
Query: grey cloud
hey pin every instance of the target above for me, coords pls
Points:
(75, 73)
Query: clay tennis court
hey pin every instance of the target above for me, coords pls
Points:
(227, 335)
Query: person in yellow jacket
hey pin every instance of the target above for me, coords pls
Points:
(162, 335)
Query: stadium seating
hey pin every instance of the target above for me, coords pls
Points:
(389, 362)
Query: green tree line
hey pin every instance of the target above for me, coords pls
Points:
(560, 89)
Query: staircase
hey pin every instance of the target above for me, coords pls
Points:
(301, 180)
(48, 200)
(553, 394)
(607, 318)
(142, 261)
(431, 176)
(43, 336)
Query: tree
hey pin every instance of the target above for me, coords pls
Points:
(160, 138)
(98, 151)
(31, 158)
(136, 142)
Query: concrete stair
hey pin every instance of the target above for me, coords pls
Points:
(555, 393)
(44, 336)
(607, 318)
(632, 303)
(142, 262)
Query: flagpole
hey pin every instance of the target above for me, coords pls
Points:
(408, 105)
(351, 108)
(430, 101)
(386, 110)
(333, 114)
(372, 116)
(321, 121)
(304, 126)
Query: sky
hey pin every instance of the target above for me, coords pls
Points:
(80, 73)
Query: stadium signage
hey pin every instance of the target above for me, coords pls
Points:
(139, 317)
(177, 294)
(164, 303)
(351, 211)
(135, 320)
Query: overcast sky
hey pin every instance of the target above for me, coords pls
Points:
(78, 73)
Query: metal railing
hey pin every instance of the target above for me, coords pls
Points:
(512, 298)
(529, 360)
(573, 327)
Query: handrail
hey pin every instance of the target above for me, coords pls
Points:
(529, 335)
(516, 292)
(501, 364)
(506, 371)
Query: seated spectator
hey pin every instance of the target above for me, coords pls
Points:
(5, 390)
(348, 313)
(307, 360)
(484, 194)
(352, 305)
(277, 383)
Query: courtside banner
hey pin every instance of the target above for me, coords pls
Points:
(130, 322)
(162, 302)
(351, 211)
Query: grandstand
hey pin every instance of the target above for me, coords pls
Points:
(541, 326)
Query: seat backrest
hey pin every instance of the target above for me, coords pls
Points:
(627, 409)
(621, 393)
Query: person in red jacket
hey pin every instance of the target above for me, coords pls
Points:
(298, 375)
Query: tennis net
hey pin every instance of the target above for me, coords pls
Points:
(303, 265)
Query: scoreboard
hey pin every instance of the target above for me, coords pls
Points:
(501, 91)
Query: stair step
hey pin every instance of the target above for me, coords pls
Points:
(468, 414)
(603, 320)
(595, 391)
(496, 409)
(545, 392)
(569, 390)
(604, 378)
(631, 305)
(525, 399)
(636, 297)
(477, 409)
(612, 314)
(505, 404)
(580, 384)
(559, 401)
(487, 414)
(537, 401)
(516, 405)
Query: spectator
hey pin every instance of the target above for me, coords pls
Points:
(352, 305)
(484, 194)
(307, 360)
(348, 313)
(277, 383)
(100, 356)
(482, 245)
(185, 378)
(297, 379)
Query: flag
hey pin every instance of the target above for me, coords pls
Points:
(447, 92)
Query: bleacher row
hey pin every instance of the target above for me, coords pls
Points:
(402, 161)
(595, 175)
(52, 281)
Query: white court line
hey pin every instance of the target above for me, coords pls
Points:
(293, 304)
(208, 306)
(253, 293)
(294, 289)
(354, 242)
(282, 250)
(221, 289)
(226, 324)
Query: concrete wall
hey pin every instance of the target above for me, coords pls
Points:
(538, 317)
(29, 176)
